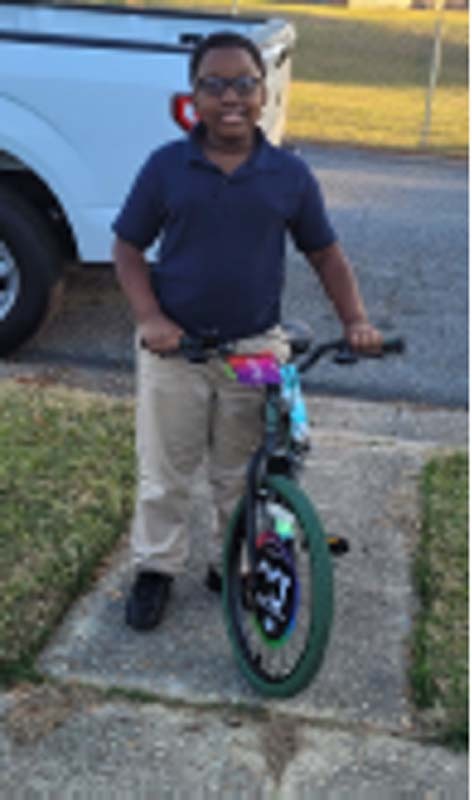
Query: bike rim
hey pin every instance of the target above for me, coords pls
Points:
(273, 659)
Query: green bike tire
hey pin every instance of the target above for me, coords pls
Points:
(322, 601)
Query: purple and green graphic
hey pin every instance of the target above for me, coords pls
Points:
(257, 369)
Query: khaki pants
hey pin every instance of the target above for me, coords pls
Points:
(185, 414)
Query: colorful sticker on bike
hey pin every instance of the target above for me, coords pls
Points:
(276, 595)
(256, 369)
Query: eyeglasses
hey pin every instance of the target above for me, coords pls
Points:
(215, 86)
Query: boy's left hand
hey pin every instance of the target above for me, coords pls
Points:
(364, 337)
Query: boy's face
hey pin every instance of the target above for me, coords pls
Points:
(229, 112)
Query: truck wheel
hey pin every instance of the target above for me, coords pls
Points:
(30, 267)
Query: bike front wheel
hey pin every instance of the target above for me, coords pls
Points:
(279, 620)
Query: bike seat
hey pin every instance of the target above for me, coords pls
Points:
(300, 335)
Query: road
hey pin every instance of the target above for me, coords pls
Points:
(403, 222)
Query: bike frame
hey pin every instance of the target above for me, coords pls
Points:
(276, 454)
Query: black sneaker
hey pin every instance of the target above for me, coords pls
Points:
(147, 600)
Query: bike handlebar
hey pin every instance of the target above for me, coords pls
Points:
(345, 353)
(199, 350)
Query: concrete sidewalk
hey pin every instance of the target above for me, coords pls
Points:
(199, 729)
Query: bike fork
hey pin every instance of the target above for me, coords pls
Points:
(253, 482)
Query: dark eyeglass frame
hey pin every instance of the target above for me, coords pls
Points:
(215, 86)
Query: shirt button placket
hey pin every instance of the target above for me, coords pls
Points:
(221, 193)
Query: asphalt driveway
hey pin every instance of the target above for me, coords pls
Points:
(403, 222)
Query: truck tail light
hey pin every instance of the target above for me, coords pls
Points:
(183, 111)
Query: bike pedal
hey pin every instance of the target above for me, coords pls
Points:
(338, 545)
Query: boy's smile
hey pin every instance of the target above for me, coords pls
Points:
(229, 94)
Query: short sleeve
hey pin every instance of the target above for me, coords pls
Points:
(310, 226)
(142, 215)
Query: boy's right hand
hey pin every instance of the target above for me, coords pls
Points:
(159, 334)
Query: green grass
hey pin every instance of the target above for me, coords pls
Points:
(439, 670)
(360, 76)
(66, 484)
(362, 80)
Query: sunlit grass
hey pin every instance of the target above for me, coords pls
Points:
(377, 116)
(362, 79)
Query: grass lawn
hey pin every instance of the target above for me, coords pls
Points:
(361, 79)
(360, 76)
(66, 482)
(439, 671)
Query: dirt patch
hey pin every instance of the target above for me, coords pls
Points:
(39, 710)
(280, 742)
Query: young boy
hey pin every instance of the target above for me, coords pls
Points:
(223, 200)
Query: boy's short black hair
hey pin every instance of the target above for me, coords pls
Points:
(224, 39)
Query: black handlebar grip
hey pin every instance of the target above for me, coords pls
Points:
(346, 355)
(397, 345)
(192, 349)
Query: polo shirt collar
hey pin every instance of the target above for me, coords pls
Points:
(262, 159)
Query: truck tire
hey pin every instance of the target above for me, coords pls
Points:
(30, 268)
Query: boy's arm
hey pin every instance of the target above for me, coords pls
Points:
(159, 333)
(340, 285)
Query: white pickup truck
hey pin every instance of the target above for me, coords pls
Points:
(86, 92)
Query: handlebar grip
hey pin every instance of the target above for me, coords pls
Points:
(192, 349)
(346, 355)
(397, 345)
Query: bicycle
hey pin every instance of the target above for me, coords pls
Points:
(277, 567)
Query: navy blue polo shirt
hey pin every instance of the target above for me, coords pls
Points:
(221, 261)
